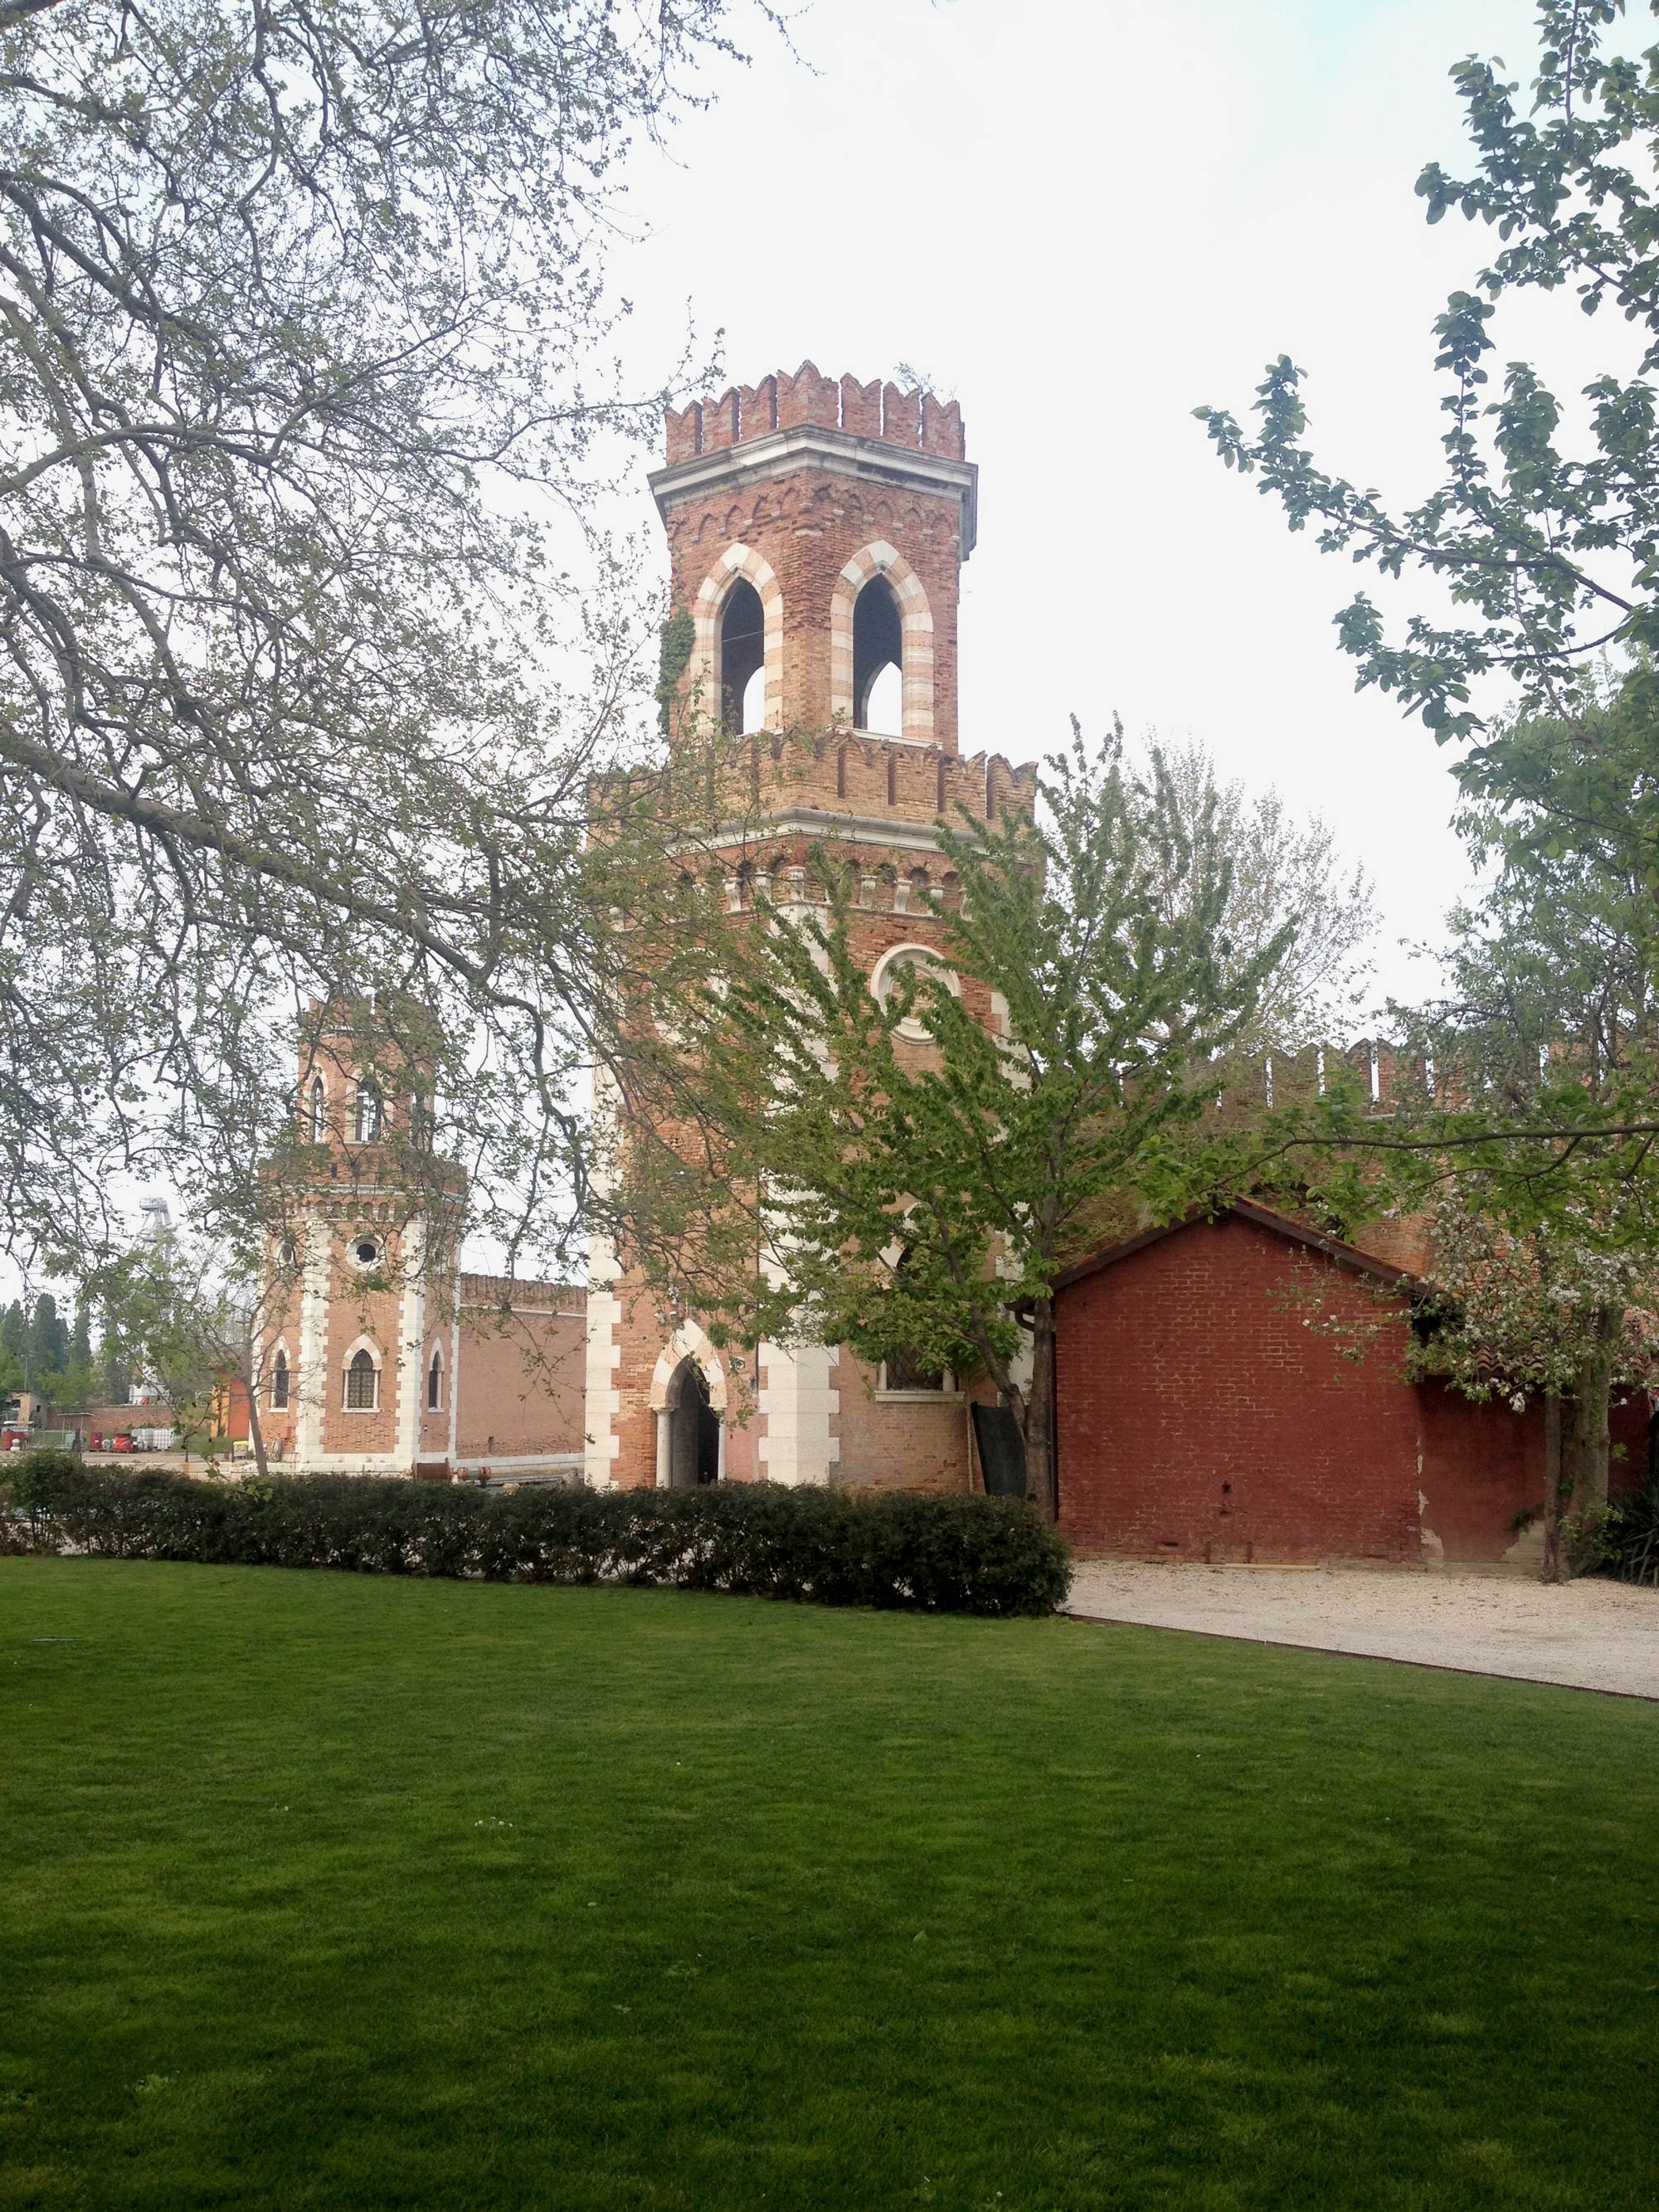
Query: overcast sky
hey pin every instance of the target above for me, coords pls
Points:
(1084, 218)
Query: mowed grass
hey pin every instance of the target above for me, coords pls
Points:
(325, 1891)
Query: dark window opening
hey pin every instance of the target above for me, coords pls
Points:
(362, 1384)
(877, 649)
(434, 1384)
(743, 660)
(905, 1371)
(279, 1383)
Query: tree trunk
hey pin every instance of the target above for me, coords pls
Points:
(1584, 1445)
(255, 1434)
(1552, 1489)
(1038, 1427)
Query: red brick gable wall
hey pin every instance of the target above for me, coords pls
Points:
(1200, 1416)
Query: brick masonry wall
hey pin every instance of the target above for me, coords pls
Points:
(903, 1442)
(355, 1311)
(1201, 1418)
(807, 527)
(794, 534)
(521, 1375)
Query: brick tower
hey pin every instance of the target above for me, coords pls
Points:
(360, 1338)
(816, 530)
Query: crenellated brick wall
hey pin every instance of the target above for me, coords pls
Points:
(883, 412)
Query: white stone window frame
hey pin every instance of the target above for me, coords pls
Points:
(363, 1343)
(282, 1362)
(737, 564)
(434, 1358)
(912, 1030)
(365, 1236)
(948, 1393)
(916, 628)
(316, 1107)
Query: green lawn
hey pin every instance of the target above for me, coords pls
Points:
(324, 1891)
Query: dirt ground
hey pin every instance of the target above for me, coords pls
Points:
(1592, 1635)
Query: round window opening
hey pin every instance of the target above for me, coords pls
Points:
(912, 1026)
(365, 1251)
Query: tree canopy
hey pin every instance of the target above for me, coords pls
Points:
(906, 1168)
(1550, 555)
(305, 367)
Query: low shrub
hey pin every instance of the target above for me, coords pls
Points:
(881, 1548)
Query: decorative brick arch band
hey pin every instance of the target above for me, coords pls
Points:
(739, 562)
(916, 624)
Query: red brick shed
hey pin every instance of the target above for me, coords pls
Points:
(1202, 1414)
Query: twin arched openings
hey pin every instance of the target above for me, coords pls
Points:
(881, 645)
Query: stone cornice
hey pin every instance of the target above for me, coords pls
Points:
(838, 453)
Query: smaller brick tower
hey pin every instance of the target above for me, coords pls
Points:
(816, 530)
(361, 1336)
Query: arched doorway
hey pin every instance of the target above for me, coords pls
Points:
(692, 1450)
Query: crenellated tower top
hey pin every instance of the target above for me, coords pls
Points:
(818, 530)
(883, 412)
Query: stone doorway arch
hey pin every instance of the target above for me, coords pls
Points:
(690, 1434)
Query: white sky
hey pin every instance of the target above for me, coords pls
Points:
(1085, 218)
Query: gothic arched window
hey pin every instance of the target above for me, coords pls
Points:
(279, 1382)
(435, 1382)
(318, 1111)
(363, 1383)
(743, 660)
(877, 659)
(368, 1114)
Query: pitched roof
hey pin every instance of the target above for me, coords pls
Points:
(1281, 1224)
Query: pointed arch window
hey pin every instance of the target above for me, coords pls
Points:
(368, 1114)
(743, 660)
(318, 1110)
(877, 659)
(363, 1383)
(435, 1382)
(279, 1382)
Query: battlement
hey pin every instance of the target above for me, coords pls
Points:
(514, 1295)
(883, 413)
(853, 786)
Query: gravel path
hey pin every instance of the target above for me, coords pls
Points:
(1593, 1635)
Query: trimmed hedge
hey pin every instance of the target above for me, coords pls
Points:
(881, 1548)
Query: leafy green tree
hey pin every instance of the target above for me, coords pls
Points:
(48, 1337)
(114, 1365)
(1550, 555)
(1547, 1260)
(304, 406)
(13, 1341)
(928, 1161)
(191, 1317)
